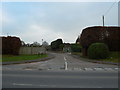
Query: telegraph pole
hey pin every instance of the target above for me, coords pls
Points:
(42, 41)
(103, 20)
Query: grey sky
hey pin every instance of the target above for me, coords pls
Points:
(34, 21)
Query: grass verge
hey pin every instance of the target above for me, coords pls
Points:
(10, 58)
(113, 57)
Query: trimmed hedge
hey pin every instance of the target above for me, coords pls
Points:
(11, 45)
(108, 35)
(98, 51)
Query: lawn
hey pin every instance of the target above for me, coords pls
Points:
(9, 58)
(113, 57)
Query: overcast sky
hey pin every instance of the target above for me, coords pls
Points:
(34, 21)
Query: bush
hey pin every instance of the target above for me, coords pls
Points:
(76, 48)
(98, 51)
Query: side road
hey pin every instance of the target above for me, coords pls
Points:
(62, 61)
(50, 56)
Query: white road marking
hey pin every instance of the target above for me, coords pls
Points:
(98, 69)
(94, 69)
(28, 69)
(77, 69)
(64, 58)
(43, 85)
(88, 69)
(22, 84)
(109, 69)
(116, 69)
(6, 68)
(66, 65)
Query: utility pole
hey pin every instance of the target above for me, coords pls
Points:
(103, 20)
(42, 42)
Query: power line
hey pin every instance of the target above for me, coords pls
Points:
(107, 12)
(110, 8)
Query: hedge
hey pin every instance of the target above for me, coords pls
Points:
(76, 48)
(11, 45)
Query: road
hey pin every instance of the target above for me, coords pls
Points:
(59, 79)
(63, 71)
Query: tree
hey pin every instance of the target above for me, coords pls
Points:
(61, 46)
(45, 44)
(35, 44)
(55, 45)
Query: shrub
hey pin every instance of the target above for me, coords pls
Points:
(76, 47)
(98, 51)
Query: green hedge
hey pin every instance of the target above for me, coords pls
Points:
(98, 51)
(11, 45)
(76, 48)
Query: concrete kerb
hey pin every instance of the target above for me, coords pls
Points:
(94, 61)
(50, 56)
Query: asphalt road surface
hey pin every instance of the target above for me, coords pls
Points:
(59, 79)
(63, 71)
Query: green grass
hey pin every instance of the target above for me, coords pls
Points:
(10, 58)
(113, 57)
(77, 53)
